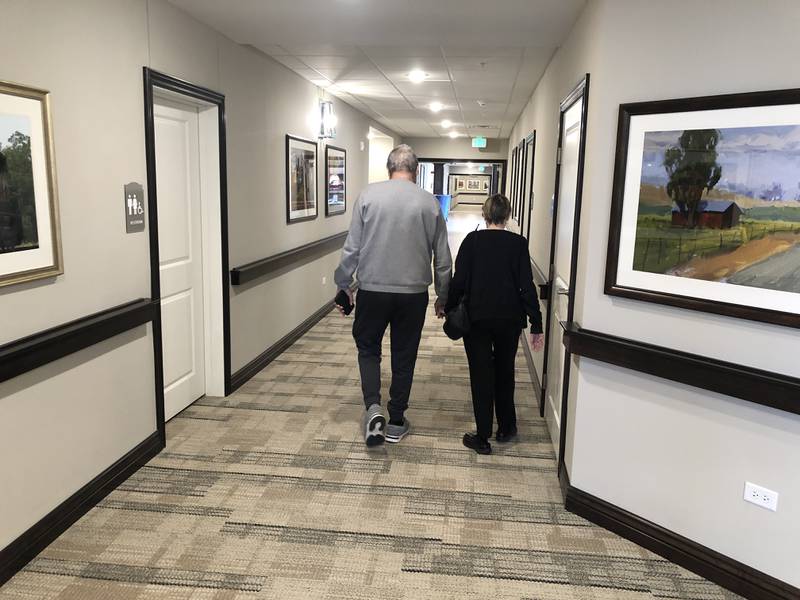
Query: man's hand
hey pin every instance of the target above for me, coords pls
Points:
(349, 293)
(438, 306)
(537, 341)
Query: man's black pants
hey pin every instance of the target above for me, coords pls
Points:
(405, 313)
(491, 351)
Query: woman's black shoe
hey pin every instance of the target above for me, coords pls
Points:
(505, 436)
(480, 445)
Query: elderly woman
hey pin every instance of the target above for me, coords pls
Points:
(495, 265)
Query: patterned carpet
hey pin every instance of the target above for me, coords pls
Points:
(271, 493)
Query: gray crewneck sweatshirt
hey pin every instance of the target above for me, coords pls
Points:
(396, 228)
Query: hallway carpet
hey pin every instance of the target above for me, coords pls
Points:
(271, 493)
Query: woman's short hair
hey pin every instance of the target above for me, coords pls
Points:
(496, 209)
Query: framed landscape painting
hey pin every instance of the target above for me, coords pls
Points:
(706, 205)
(301, 179)
(30, 239)
(335, 180)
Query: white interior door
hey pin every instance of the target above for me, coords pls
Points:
(180, 247)
(562, 262)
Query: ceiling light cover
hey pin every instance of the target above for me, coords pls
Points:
(417, 76)
(447, 123)
(436, 106)
(454, 134)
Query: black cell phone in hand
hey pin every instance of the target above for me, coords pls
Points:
(343, 300)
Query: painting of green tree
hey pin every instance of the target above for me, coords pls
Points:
(18, 231)
(722, 205)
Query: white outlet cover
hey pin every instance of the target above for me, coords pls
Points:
(761, 496)
(324, 280)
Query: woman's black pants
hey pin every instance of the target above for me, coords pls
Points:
(491, 347)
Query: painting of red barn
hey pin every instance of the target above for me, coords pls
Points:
(710, 214)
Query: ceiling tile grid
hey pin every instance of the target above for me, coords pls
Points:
(363, 52)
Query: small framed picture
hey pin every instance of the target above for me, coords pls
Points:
(30, 236)
(459, 184)
(301, 179)
(335, 181)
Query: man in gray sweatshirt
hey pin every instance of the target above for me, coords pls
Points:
(396, 228)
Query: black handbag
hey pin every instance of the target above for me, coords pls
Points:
(456, 321)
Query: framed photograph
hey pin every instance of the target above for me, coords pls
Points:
(459, 184)
(301, 179)
(706, 205)
(335, 180)
(30, 238)
(474, 185)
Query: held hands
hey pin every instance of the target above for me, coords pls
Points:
(438, 307)
(537, 341)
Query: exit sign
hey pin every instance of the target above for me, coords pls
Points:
(479, 142)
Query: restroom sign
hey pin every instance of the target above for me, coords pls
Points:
(134, 208)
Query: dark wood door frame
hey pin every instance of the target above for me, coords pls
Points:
(581, 91)
(154, 80)
(527, 201)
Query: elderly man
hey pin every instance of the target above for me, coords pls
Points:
(396, 228)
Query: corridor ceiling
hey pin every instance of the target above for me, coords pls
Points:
(481, 58)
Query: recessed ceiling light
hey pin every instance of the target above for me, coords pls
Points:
(417, 76)
(436, 106)
(454, 134)
(447, 123)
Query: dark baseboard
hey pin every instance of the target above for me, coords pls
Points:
(243, 375)
(23, 549)
(722, 570)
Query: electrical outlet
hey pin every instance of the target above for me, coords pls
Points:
(761, 496)
(324, 280)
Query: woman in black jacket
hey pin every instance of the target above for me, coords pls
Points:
(496, 266)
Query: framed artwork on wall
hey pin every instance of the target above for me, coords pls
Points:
(30, 236)
(459, 184)
(706, 205)
(301, 179)
(474, 185)
(335, 180)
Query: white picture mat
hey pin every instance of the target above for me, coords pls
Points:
(41, 257)
(684, 286)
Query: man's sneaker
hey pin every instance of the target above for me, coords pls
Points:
(395, 433)
(374, 425)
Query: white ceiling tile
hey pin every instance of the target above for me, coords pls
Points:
(476, 66)
(433, 90)
(376, 52)
(478, 52)
(291, 62)
(476, 90)
(321, 50)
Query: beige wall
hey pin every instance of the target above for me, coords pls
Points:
(379, 149)
(672, 454)
(457, 148)
(68, 421)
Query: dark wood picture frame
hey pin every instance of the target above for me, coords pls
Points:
(328, 212)
(289, 219)
(678, 105)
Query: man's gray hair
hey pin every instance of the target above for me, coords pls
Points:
(402, 158)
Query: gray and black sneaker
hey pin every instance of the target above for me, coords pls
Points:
(395, 433)
(374, 425)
